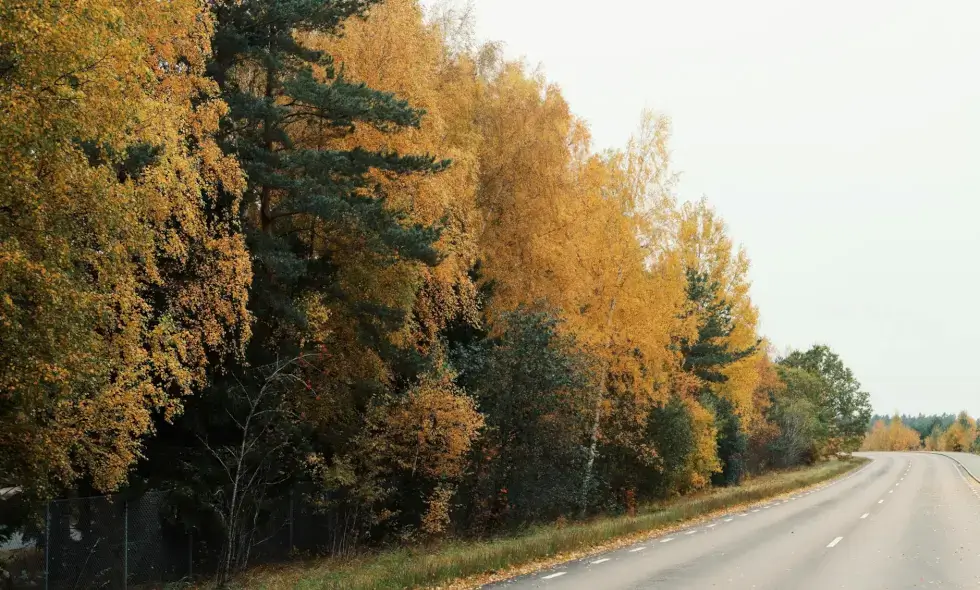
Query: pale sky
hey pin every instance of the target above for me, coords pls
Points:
(840, 140)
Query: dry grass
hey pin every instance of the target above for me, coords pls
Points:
(467, 564)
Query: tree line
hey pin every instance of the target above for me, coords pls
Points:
(338, 244)
(939, 432)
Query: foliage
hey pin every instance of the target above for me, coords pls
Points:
(120, 280)
(893, 435)
(531, 384)
(389, 264)
(849, 406)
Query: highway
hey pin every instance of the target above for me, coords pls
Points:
(904, 520)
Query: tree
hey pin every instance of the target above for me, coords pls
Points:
(706, 357)
(849, 405)
(801, 417)
(532, 384)
(960, 435)
(121, 282)
(892, 435)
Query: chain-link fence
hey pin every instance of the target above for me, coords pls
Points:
(111, 542)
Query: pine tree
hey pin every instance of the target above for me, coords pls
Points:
(706, 357)
(308, 203)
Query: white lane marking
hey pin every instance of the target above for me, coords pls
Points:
(766, 507)
(728, 519)
(865, 515)
(598, 561)
(834, 542)
(637, 549)
(712, 524)
(554, 575)
(690, 532)
(667, 540)
(743, 514)
(880, 501)
(756, 510)
(890, 491)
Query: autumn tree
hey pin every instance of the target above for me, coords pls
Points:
(718, 304)
(121, 277)
(960, 435)
(892, 435)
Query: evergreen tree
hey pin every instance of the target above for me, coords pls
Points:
(705, 357)
(306, 200)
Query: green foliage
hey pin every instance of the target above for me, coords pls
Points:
(289, 108)
(705, 358)
(800, 414)
(670, 430)
(850, 407)
(733, 444)
(706, 355)
(531, 383)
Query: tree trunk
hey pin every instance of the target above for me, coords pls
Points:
(600, 392)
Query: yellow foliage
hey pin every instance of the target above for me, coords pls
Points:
(115, 285)
(960, 435)
(704, 461)
(895, 436)
(430, 431)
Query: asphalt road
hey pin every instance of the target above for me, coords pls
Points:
(905, 520)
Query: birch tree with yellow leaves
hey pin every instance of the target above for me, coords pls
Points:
(118, 278)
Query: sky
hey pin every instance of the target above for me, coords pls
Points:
(839, 140)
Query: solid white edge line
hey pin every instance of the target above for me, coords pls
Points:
(865, 515)
(554, 575)
(834, 542)
(598, 561)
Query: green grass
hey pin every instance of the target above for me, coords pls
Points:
(439, 565)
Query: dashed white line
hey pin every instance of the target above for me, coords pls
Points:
(865, 515)
(554, 575)
(637, 549)
(690, 532)
(880, 501)
(667, 540)
(890, 491)
(598, 561)
(834, 542)
(712, 524)
(729, 519)
(756, 510)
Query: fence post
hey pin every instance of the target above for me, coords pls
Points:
(292, 519)
(47, 543)
(125, 543)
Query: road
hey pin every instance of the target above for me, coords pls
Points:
(904, 520)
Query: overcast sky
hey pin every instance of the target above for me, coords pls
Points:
(840, 140)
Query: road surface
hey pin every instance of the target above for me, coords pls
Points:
(905, 520)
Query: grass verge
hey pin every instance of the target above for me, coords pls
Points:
(467, 564)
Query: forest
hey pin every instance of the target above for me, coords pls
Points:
(343, 247)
